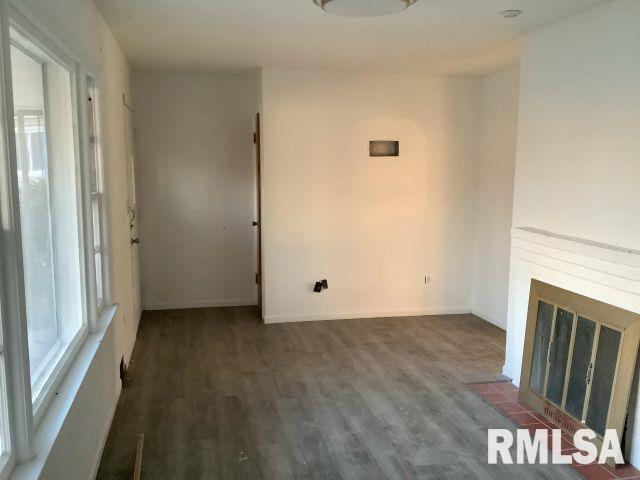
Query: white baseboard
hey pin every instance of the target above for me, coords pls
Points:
(355, 315)
(490, 318)
(202, 304)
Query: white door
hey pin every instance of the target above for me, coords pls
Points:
(132, 211)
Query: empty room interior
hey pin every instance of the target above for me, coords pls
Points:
(319, 239)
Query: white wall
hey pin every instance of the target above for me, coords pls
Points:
(74, 451)
(196, 188)
(577, 166)
(496, 155)
(116, 83)
(374, 227)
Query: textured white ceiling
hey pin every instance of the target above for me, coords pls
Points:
(433, 36)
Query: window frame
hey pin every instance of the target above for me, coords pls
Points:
(7, 453)
(23, 416)
(90, 91)
(22, 33)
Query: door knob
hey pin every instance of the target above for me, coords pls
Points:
(255, 224)
(135, 241)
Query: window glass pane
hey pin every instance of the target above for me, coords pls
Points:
(559, 355)
(43, 103)
(35, 207)
(96, 189)
(94, 171)
(99, 287)
(603, 372)
(5, 445)
(540, 346)
(582, 349)
(95, 214)
(4, 412)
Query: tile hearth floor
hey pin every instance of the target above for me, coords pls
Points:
(503, 396)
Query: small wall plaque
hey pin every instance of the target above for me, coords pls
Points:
(384, 148)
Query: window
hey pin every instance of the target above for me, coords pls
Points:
(47, 173)
(52, 203)
(96, 191)
(4, 409)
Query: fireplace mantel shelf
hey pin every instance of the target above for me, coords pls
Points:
(590, 248)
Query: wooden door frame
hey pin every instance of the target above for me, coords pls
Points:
(258, 222)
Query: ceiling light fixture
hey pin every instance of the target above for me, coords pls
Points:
(511, 13)
(364, 8)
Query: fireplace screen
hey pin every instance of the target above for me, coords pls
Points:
(579, 360)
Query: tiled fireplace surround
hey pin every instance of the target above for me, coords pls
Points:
(603, 272)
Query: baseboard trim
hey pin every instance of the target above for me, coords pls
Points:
(357, 315)
(489, 318)
(203, 304)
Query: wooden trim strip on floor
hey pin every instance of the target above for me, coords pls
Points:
(137, 469)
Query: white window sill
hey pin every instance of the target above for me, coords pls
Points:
(60, 406)
(6, 464)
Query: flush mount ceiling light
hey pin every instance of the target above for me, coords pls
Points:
(364, 8)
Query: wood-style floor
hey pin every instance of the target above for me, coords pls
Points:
(219, 395)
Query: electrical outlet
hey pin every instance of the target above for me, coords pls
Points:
(427, 279)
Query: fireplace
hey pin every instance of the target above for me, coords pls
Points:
(579, 359)
(605, 273)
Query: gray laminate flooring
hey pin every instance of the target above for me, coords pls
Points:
(219, 395)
